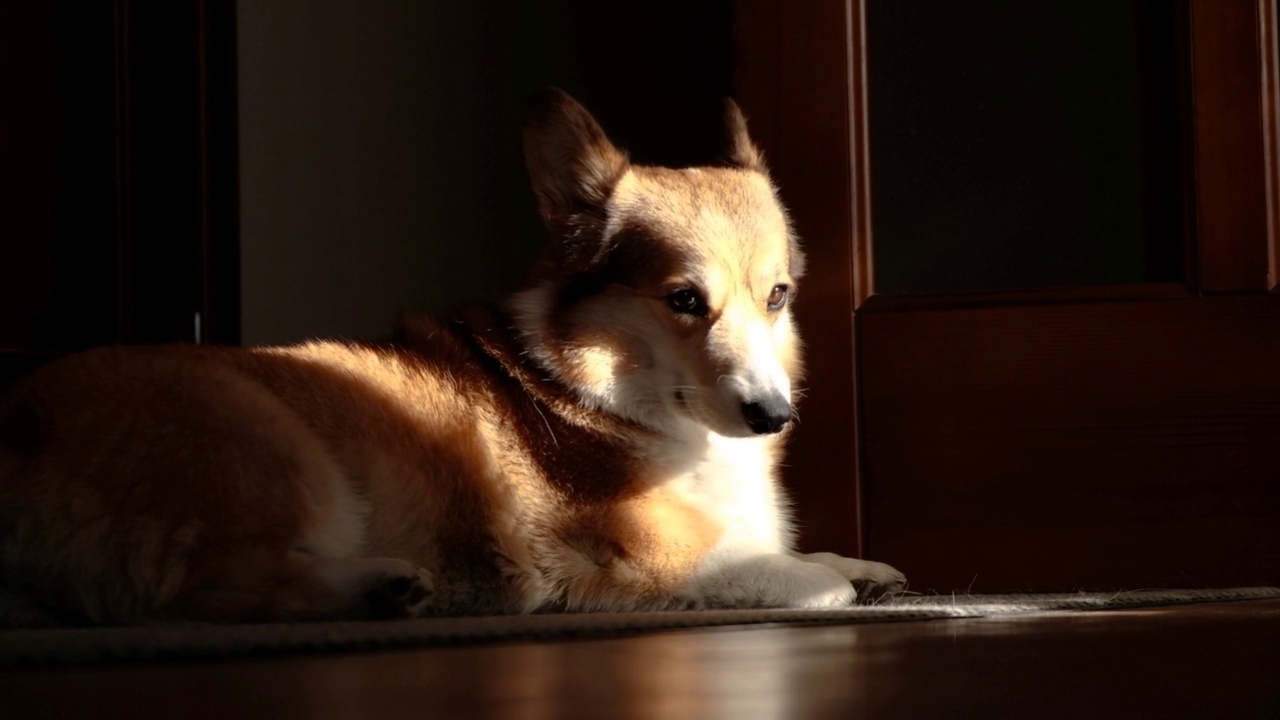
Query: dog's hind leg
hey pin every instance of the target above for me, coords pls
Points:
(373, 587)
(310, 587)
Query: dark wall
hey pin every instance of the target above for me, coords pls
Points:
(381, 169)
(1019, 144)
(117, 174)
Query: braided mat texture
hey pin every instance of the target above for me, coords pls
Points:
(171, 642)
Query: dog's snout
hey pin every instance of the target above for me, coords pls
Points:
(767, 416)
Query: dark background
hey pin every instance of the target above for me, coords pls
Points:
(303, 169)
(307, 169)
(1023, 144)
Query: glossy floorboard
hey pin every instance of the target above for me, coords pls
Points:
(1203, 661)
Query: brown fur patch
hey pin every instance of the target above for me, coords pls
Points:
(572, 165)
(742, 152)
(590, 456)
(644, 546)
(635, 258)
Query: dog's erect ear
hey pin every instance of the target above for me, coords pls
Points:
(572, 164)
(742, 152)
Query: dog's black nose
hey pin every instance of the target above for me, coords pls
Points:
(768, 416)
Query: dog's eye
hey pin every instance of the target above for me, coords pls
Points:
(687, 302)
(778, 297)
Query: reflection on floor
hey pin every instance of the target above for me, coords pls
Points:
(1217, 660)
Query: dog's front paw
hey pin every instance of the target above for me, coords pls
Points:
(872, 580)
(811, 590)
(772, 581)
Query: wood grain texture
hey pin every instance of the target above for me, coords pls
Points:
(1030, 296)
(863, 270)
(119, 215)
(177, 172)
(1269, 47)
(57, 177)
(1099, 445)
(1228, 97)
(29, 142)
(1204, 661)
(793, 80)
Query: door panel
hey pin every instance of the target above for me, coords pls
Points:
(1092, 444)
(58, 278)
(1119, 431)
(1229, 95)
(118, 187)
(1269, 62)
(1018, 144)
(792, 81)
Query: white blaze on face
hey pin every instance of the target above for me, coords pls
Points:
(749, 354)
(733, 239)
(764, 366)
(719, 233)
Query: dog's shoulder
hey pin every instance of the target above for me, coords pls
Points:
(589, 454)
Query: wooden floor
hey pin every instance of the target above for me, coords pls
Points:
(1203, 661)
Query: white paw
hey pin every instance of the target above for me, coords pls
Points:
(872, 580)
(807, 588)
(771, 581)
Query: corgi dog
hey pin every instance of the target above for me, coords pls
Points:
(607, 440)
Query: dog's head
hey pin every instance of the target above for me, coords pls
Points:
(664, 295)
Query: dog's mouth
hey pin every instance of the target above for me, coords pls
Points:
(694, 404)
(691, 402)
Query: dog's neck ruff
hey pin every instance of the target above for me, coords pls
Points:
(496, 335)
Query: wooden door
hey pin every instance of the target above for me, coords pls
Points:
(1091, 399)
(118, 189)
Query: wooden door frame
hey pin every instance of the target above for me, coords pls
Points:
(177, 161)
(801, 79)
(797, 78)
(1233, 91)
(144, 230)
(1269, 83)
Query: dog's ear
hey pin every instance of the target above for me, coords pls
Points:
(742, 152)
(571, 163)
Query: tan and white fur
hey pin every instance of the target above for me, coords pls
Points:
(607, 441)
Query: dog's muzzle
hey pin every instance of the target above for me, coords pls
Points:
(767, 416)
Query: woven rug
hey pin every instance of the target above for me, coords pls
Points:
(82, 645)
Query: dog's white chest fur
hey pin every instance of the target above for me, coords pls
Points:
(733, 485)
